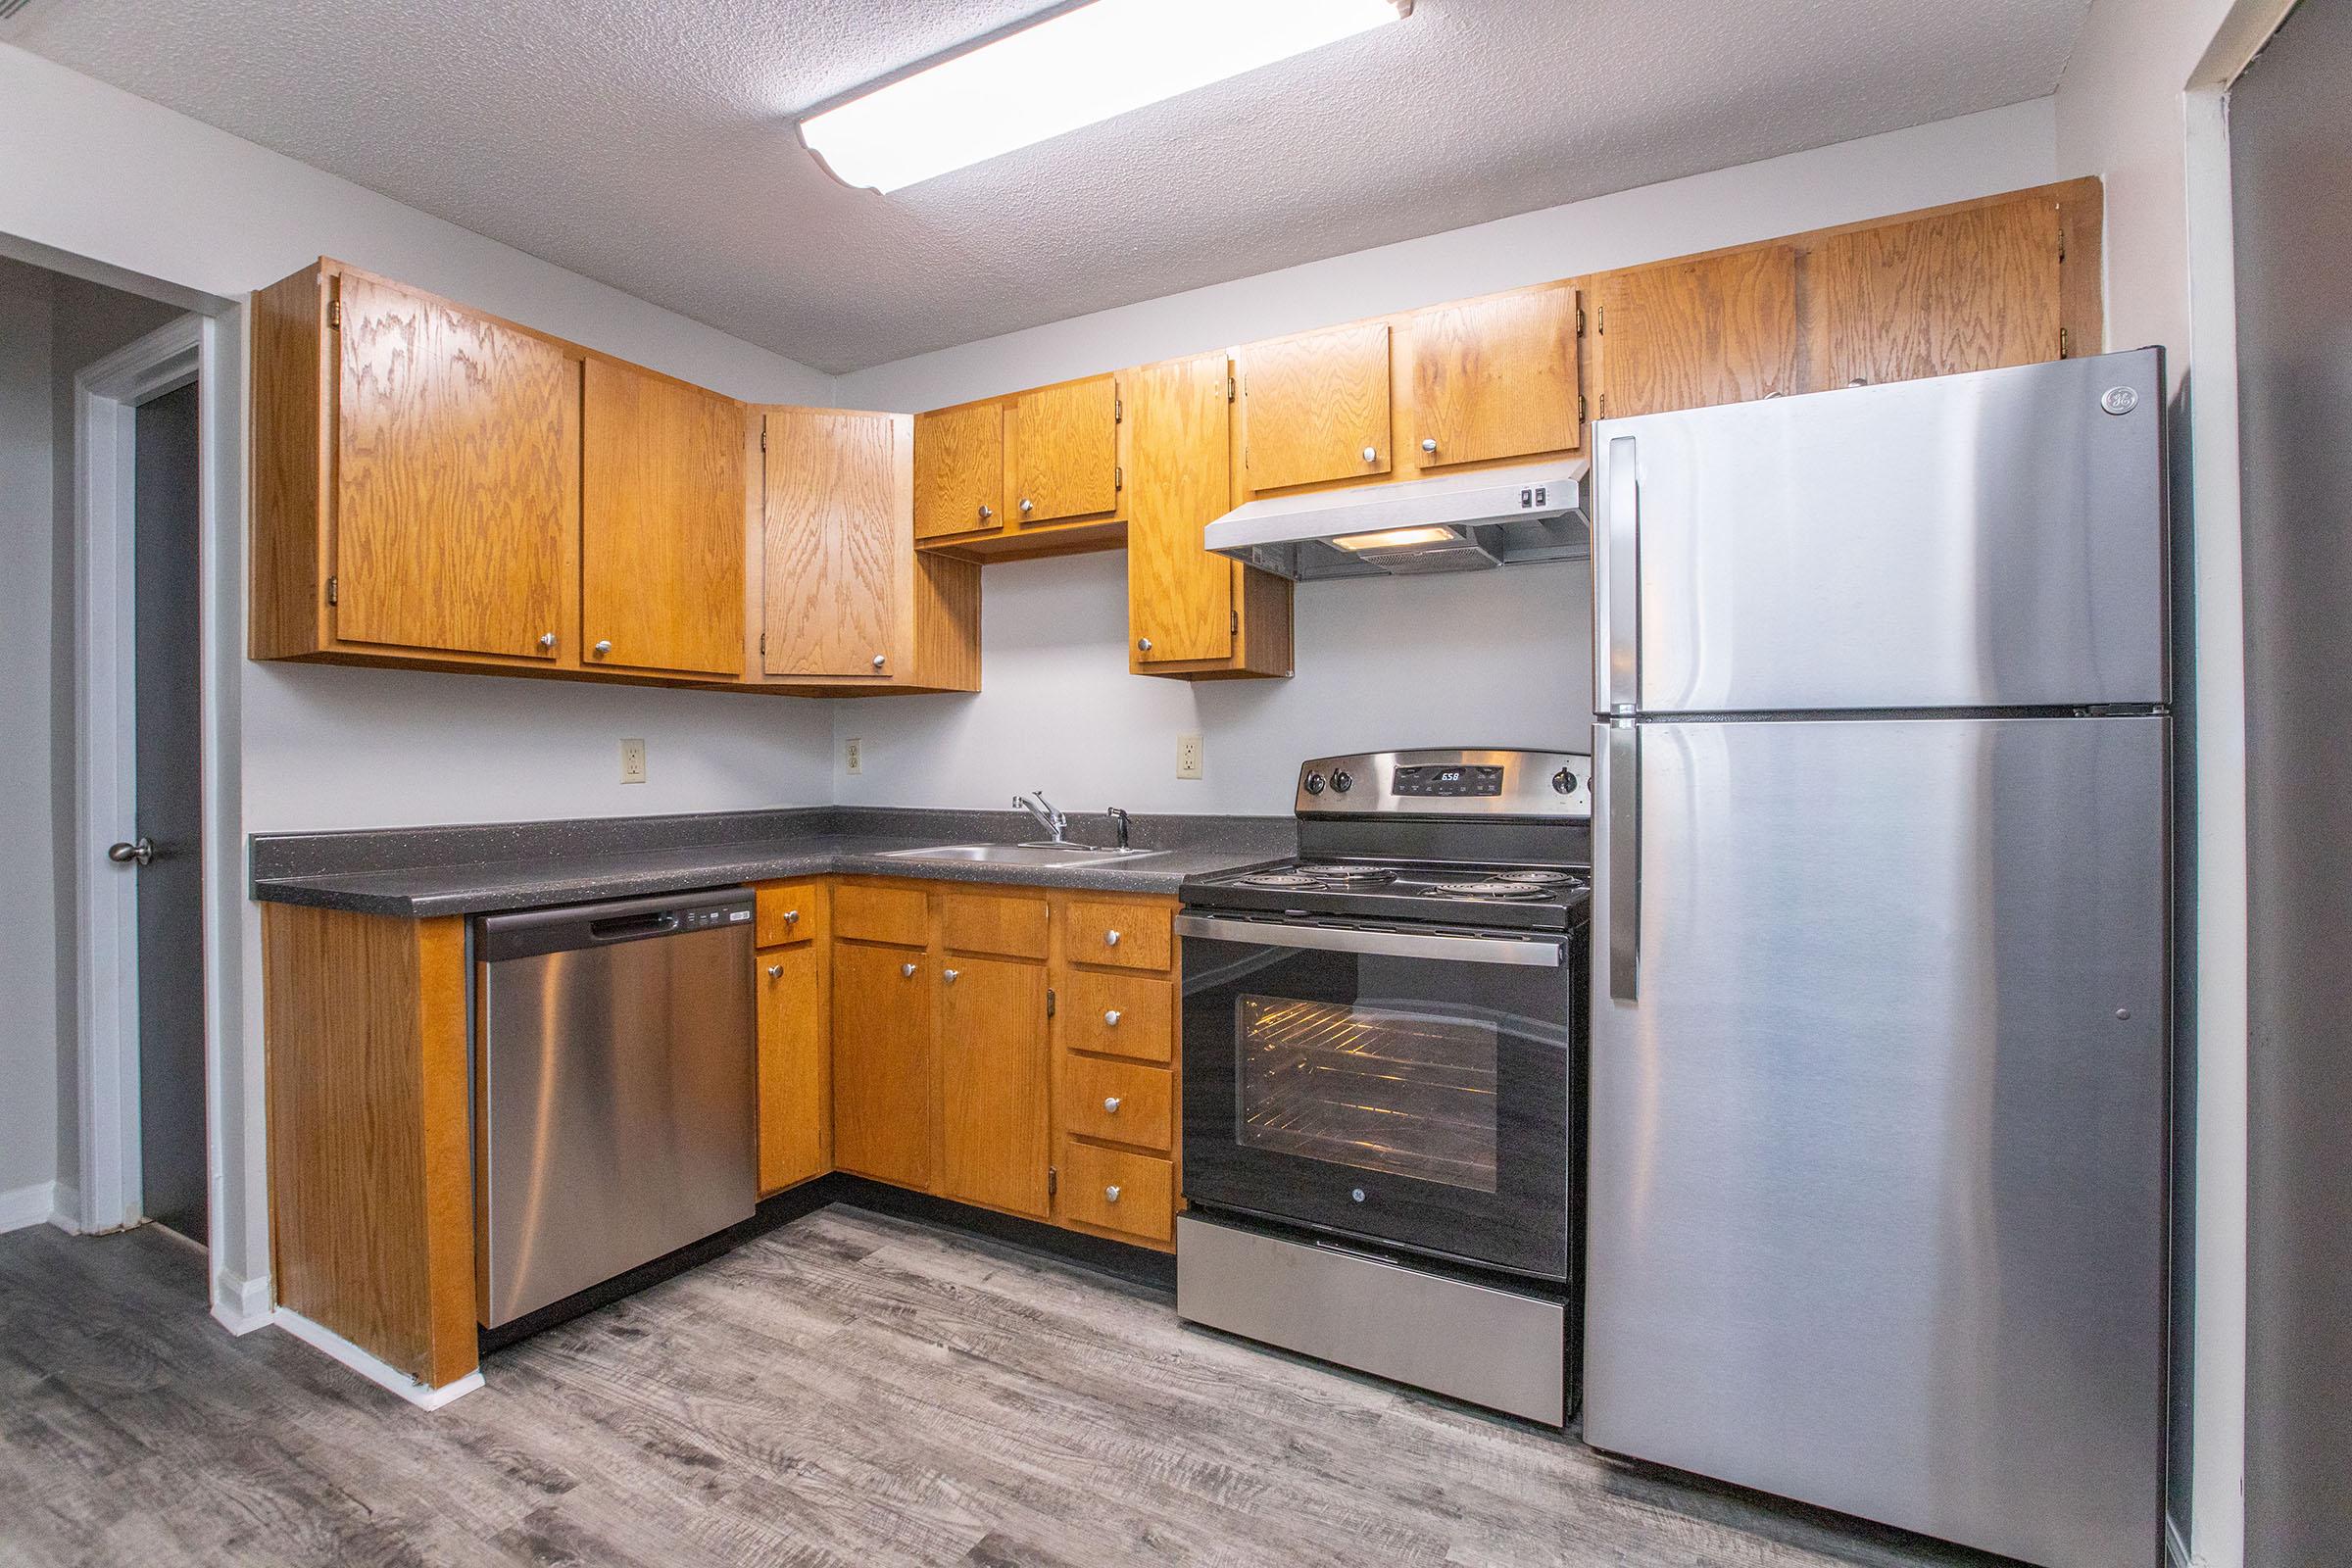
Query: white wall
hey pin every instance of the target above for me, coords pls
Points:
(29, 1059)
(1485, 658)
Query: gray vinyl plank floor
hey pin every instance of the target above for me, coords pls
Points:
(850, 1390)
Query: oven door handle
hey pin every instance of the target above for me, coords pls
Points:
(1539, 954)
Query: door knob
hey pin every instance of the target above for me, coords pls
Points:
(907, 970)
(948, 975)
(1110, 1019)
(1371, 453)
(141, 852)
(1110, 1195)
(1428, 443)
(604, 647)
(775, 971)
(1110, 1104)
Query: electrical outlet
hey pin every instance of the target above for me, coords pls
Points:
(1187, 756)
(853, 755)
(632, 761)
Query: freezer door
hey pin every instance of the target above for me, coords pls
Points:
(1877, 1119)
(1990, 540)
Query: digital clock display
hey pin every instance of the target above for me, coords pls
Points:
(1447, 780)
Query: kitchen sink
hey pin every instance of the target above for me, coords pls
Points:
(1022, 854)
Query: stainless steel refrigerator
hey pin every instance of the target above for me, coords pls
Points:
(1880, 953)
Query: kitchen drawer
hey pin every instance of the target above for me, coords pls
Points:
(790, 911)
(896, 916)
(1119, 1192)
(1125, 936)
(993, 923)
(1118, 1015)
(1119, 1101)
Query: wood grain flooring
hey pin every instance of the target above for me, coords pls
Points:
(850, 1390)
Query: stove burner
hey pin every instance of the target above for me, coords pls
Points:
(1535, 878)
(1281, 879)
(1488, 890)
(1352, 875)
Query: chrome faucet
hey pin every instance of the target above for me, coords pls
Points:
(1050, 819)
(1118, 820)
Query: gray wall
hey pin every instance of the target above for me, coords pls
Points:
(29, 1054)
(2291, 157)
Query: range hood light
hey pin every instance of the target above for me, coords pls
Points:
(1396, 538)
(1082, 65)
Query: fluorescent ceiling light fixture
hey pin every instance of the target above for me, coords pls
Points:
(1074, 69)
(1396, 538)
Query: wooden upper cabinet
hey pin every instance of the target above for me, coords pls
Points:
(1685, 334)
(994, 1134)
(1315, 407)
(457, 478)
(1179, 596)
(1062, 452)
(960, 471)
(1969, 290)
(1494, 377)
(835, 546)
(662, 525)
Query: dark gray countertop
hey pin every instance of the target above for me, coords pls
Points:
(425, 873)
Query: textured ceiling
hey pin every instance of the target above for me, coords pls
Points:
(646, 143)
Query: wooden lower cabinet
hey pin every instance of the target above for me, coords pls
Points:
(882, 1082)
(994, 1128)
(792, 982)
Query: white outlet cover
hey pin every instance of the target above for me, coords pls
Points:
(1188, 756)
(852, 753)
(632, 761)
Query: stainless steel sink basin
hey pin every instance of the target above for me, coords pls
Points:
(1023, 854)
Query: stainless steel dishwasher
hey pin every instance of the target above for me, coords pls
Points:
(615, 1090)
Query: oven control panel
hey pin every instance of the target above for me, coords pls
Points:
(1449, 783)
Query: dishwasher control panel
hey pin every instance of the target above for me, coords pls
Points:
(704, 919)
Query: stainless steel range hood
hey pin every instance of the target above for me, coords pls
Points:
(1459, 523)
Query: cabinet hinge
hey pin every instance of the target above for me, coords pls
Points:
(332, 589)
(1118, 411)
(1580, 320)
(1053, 1181)
(763, 433)
(1236, 624)
(1232, 390)
(1050, 1000)
(334, 313)
(2062, 343)
(763, 645)
(1119, 477)
(1580, 408)
(1600, 322)
(1604, 405)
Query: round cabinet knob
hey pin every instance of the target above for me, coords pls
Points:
(1111, 1105)
(1314, 783)
(1343, 781)
(1110, 1019)
(880, 660)
(775, 971)
(948, 975)
(1110, 1195)
(906, 970)
(986, 511)
(1564, 781)
(604, 647)
(1110, 939)
(1144, 643)
(1027, 506)
(792, 918)
(547, 639)
(1371, 453)
(1428, 443)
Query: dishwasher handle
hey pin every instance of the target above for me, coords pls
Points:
(570, 928)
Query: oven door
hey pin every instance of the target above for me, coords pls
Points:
(1405, 1087)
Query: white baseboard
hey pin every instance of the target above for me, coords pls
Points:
(241, 1305)
(21, 1207)
(64, 1209)
(379, 1372)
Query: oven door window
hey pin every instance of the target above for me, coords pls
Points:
(1399, 1091)
(1417, 1101)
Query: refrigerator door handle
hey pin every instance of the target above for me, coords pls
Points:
(1617, 802)
(1617, 582)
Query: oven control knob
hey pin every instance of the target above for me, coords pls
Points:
(1343, 781)
(1314, 783)
(1564, 781)
(1357, 1194)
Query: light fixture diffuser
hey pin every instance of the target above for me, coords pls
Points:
(1396, 538)
(1074, 69)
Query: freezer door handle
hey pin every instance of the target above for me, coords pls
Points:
(1617, 582)
(1617, 748)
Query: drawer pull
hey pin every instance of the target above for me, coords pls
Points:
(792, 918)
(907, 970)
(948, 975)
(1110, 1019)
(1110, 939)
(1110, 1195)
(775, 971)
(1110, 1104)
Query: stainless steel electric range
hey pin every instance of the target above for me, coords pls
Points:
(1383, 1056)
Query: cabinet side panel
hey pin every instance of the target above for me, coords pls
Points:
(289, 466)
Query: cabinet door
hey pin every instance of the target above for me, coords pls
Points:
(1061, 451)
(1494, 379)
(1315, 407)
(958, 470)
(1686, 335)
(661, 524)
(1179, 596)
(882, 1063)
(835, 552)
(992, 1083)
(796, 1122)
(1971, 290)
(457, 478)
